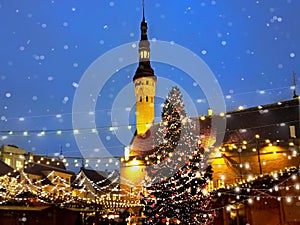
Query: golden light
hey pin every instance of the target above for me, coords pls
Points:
(126, 153)
(257, 136)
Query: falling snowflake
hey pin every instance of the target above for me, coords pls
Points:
(292, 54)
(75, 85)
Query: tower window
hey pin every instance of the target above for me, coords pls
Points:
(146, 98)
(147, 82)
(144, 54)
(141, 98)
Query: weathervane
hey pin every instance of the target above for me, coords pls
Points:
(143, 5)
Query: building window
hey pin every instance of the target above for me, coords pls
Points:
(292, 131)
(210, 185)
(238, 180)
(141, 98)
(221, 183)
(144, 54)
(19, 164)
(7, 161)
(147, 99)
(147, 82)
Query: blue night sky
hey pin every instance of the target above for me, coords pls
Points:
(252, 48)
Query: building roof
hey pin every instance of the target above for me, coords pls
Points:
(270, 121)
(101, 178)
(142, 145)
(5, 169)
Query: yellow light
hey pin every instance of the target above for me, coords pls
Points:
(267, 141)
(202, 117)
(134, 162)
(241, 107)
(222, 114)
(244, 142)
(247, 166)
(257, 136)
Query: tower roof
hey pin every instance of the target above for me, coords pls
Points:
(144, 69)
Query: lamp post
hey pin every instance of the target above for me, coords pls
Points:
(258, 152)
(240, 163)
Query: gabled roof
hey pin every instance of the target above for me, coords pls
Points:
(142, 145)
(5, 169)
(101, 178)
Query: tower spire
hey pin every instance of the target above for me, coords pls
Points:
(295, 85)
(143, 5)
(144, 69)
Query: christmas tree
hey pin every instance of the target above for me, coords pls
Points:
(178, 173)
